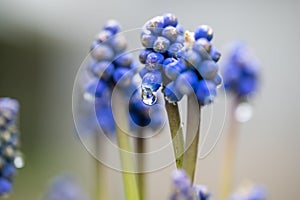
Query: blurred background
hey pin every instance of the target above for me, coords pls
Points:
(43, 43)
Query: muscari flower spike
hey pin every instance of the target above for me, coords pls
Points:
(10, 158)
(109, 64)
(240, 72)
(184, 189)
(65, 188)
(112, 66)
(182, 62)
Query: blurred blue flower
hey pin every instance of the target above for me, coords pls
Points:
(110, 66)
(241, 71)
(65, 188)
(9, 140)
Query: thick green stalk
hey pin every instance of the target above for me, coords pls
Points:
(229, 154)
(192, 136)
(100, 192)
(176, 132)
(129, 178)
(140, 144)
(125, 148)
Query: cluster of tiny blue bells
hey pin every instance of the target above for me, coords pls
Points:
(179, 61)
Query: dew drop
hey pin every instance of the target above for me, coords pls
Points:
(19, 162)
(148, 96)
(243, 112)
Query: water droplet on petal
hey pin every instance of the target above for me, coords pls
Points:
(148, 96)
(243, 112)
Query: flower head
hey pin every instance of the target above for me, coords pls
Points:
(183, 62)
(9, 139)
(112, 67)
(240, 72)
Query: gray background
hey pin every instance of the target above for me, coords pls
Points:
(42, 44)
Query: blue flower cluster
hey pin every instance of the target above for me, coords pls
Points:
(9, 143)
(240, 73)
(250, 192)
(184, 189)
(110, 61)
(181, 61)
(112, 67)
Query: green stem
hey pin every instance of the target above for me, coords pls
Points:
(229, 154)
(129, 178)
(100, 174)
(125, 149)
(141, 176)
(176, 132)
(192, 137)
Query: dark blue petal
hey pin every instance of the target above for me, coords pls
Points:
(206, 92)
(204, 31)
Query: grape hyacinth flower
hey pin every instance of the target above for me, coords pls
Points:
(65, 188)
(182, 63)
(177, 63)
(162, 38)
(110, 64)
(184, 190)
(10, 158)
(240, 72)
(240, 75)
(113, 68)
